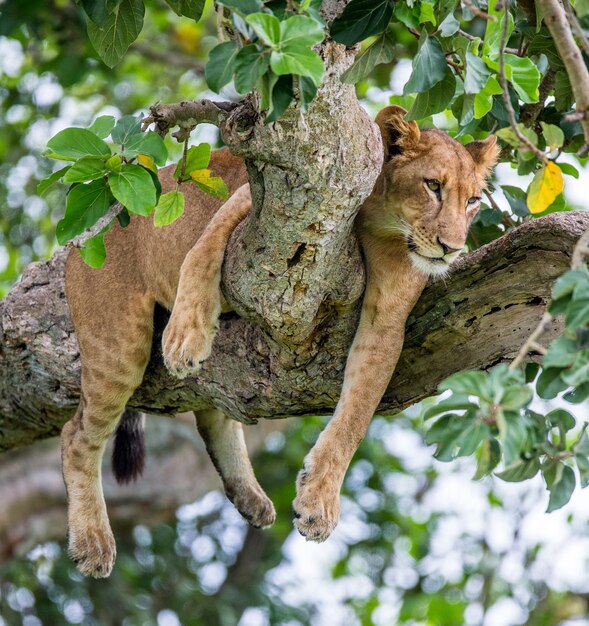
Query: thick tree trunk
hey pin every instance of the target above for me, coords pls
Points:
(480, 315)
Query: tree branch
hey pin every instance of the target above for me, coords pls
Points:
(558, 25)
(481, 315)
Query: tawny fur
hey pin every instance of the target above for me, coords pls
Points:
(406, 231)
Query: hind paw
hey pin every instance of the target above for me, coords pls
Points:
(93, 550)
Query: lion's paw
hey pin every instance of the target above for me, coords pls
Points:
(253, 504)
(93, 549)
(185, 345)
(316, 507)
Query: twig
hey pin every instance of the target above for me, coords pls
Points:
(505, 92)
(531, 344)
(531, 341)
(97, 228)
(188, 113)
(574, 23)
(506, 219)
(220, 31)
(472, 38)
(558, 25)
(478, 12)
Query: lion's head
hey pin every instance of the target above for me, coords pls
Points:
(429, 189)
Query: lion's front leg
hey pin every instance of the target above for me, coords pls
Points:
(188, 337)
(373, 356)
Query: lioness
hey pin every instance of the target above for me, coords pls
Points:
(413, 225)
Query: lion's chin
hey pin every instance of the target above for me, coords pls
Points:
(430, 267)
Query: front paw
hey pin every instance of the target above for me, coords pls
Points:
(93, 549)
(186, 343)
(316, 507)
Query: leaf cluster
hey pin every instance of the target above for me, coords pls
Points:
(100, 176)
(489, 413)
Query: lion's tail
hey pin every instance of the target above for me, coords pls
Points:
(128, 455)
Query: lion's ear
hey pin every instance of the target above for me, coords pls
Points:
(484, 154)
(397, 133)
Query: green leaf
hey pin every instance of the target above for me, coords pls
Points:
(517, 200)
(220, 67)
(50, 180)
(582, 8)
(210, 184)
(560, 417)
(189, 8)
(454, 403)
(74, 143)
(382, 50)
(578, 374)
(169, 208)
(134, 189)
(435, 100)
(94, 251)
(577, 313)
(449, 26)
(84, 170)
(561, 484)
(102, 126)
(567, 283)
(519, 471)
(563, 92)
(361, 19)
(429, 65)
(149, 143)
(471, 437)
(282, 94)
(560, 353)
(553, 135)
(477, 74)
(96, 10)
(523, 75)
(85, 204)
(578, 395)
(250, 64)
(515, 398)
(489, 458)
(125, 128)
(293, 59)
(583, 467)
(549, 383)
(244, 7)
(266, 27)
(307, 91)
(467, 383)
(120, 29)
(569, 170)
(197, 158)
(515, 439)
(300, 30)
(123, 218)
(483, 100)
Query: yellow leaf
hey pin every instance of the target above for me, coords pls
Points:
(545, 187)
(147, 162)
(210, 184)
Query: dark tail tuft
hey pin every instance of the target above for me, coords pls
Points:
(128, 455)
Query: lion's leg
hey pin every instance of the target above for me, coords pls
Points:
(189, 335)
(370, 365)
(114, 357)
(225, 444)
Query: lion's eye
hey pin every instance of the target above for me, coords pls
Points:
(434, 185)
(473, 200)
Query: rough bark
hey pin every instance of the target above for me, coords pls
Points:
(178, 471)
(480, 315)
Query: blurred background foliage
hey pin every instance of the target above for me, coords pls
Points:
(418, 543)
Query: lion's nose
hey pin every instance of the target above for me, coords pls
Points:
(446, 249)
